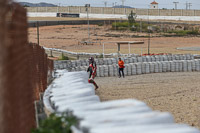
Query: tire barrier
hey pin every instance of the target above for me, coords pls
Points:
(71, 91)
(146, 67)
(110, 61)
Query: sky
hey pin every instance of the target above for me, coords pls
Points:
(195, 4)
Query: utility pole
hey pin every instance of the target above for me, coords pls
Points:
(149, 41)
(38, 34)
(105, 3)
(58, 7)
(87, 6)
(149, 36)
(189, 5)
(175, 4)
(186, 5)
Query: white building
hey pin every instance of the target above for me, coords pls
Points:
(154, 5)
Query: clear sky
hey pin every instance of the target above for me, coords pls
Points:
(195, 4)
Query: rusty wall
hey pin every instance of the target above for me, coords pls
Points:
(23, 71)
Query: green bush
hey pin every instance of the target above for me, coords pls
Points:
(101, 56)
(63, 57)
(100, 24)
(193, 32)
(57, 124)
(131, 26)
(121, 25)
(185, 32)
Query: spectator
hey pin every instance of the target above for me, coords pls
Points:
(121, 67)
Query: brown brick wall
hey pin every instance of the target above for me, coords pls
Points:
(23, 71)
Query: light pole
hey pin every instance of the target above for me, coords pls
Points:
(189, 5)
(58, 7)
(149, 40)
(186, 5)
(149, 36)
(175, 4)
(105, 3)
(38, 34)
(87, 6)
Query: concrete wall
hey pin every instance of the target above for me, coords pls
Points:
(109, 10)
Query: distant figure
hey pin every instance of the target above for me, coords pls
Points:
(121, 67)
(92, 69)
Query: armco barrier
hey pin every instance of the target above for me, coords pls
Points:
(23, 71)
(69, 22)
(71, 91)
(80, 55)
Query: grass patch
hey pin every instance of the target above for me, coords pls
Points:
(63, 57)
(57, 124)
(185, 32)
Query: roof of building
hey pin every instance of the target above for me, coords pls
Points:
(154, 2)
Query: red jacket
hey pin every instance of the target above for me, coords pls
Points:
(121, 64)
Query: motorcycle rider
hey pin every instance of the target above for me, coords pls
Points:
(92, 69)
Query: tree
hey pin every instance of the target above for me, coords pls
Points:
(26, 6)
(131, 17)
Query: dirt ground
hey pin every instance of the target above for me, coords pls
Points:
(69, 37)
(177, 93)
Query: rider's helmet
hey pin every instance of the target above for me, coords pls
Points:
(91, 59)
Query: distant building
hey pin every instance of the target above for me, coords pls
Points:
(154, 5)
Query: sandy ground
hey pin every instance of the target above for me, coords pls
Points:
(177, 93)
(68, 37)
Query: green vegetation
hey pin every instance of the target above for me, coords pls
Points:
(131, 17)
(130, 26)
(144, 27)
(100, 24)
(26, 6)
(185, 32)
(101, 56)
(63, 57)
(57, 124)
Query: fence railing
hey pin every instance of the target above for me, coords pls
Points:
(23, 70)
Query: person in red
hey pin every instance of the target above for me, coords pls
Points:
(92, 69)
(121, 67)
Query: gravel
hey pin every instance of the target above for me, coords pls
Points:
(174, 92)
